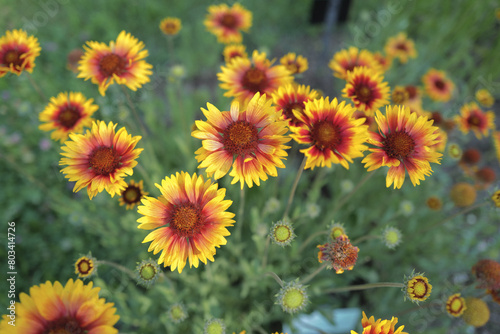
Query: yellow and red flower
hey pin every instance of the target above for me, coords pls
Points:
(332, 133)
(189, 220)
(234, 51)
(132, 194)
(401, 47)
(366, 89)
(226, 23)
(73, 308)
(243, 77)
(293, 97)
(121, 62)
(85, 266)
(472, 118)
(385, 62)
(403, 143)
(414, 101)
(100, 158)
(455, 305)
(370, 326)
(400, 95)
(67, 113)
(484, 97)
(437, 85)
(346, 60)
(295, 64)
(496, 143)
(417, 288)
(250, 141)
(18, 52)
(170, 26)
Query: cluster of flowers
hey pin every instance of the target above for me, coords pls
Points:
(190, 218)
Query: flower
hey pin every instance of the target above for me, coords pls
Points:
(293, 97)
(100, 158)
(85, 266)
(340, 254)
(454, 151)
(18, 52)
(384, 62)
(485, 176)
(214, 326)
(147, 272)
(226, 23)
(496, 198)
(370, 326)
(347, 60)
(189, 220)
(414, 101)
(434, 203)
(401, 47)
(295, 64)
(484, 97)
(406, 207)
(73, 308)
(417, 287)
(251, 141)
(495, 295)
(471, 156)
(244, 77)
(73, 58)
(67, 113)
(332, 132)
(402, 144)
(496, 143)
(177, 313)
(437, 85)
(487, 273)
(472, 118)
(121, 62)
(336, 230)
(132, 194)
(366, 90)
(455, 305)
(281, 233)
(391, 237)
(292, 297)
(234, 51)
(400, 95)
(477, 312)
(170, 26)
(463, 194)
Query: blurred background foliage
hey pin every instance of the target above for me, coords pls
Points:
(55, 226)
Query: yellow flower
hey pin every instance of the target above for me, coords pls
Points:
(295, 64)
(484, 97)
(437, 85)
(234, 51)
(67, 113)
(132, 194)
(472, 118)
(401, 47)
(455, 305)
(417, 288)
(226, 23)
(345, 61)
(370, 326)
(18, 52)
(477, 312)
(170, 26)
(121, 62)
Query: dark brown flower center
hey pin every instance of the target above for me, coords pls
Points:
(240, 138)
(363, 93)
(440, 84)
(254, 80)
(104, 160)
(85, 266)
(229, 21)
(287, 111)
(399, 96)
(398, 145)
(186, 219)
(474, 120)
(401, 46)
(420, 288)
(13, 57)
(66, 325)
(131, 194)
(68, 116)
(112, 64)
(412, 91)
(325, 135)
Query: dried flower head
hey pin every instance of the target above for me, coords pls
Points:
(340, 254)
(487, 273)
(434, 203)
(463, 194)
(477, 313)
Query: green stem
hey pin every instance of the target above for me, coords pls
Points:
(294, 187)
(459, 213)
(313, 274)
(119, 267)
(241, 212)
(276, 277)
(36, 87)
(364, 238)
(309, 239)
(344, 199)
(134, 111)
(365, 287)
